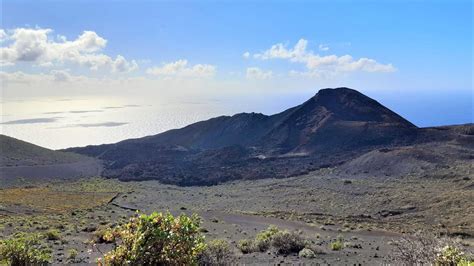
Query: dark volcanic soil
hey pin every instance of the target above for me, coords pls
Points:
(368, 212)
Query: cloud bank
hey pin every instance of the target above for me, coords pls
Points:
(257, 73)
(39, 47)
(181, 68)
(317, 65)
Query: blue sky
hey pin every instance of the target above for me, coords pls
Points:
(413, 56)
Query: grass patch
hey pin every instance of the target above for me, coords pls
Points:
(48, 200)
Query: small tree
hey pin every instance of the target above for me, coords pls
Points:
(156, 239)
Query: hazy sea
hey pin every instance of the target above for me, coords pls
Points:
(58, 123)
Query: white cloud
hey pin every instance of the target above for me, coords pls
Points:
(181, 68)
(61, 75)
(323, 47)
(52, 77)
(120, 64)
(3, 35)
(317, 65)
(37, 46)
(257, 73)
(246, 55)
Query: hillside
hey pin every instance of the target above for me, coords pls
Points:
(331, 128)
(15, 152)
(22, 162)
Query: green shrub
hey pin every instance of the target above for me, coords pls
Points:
(451, 255)
(264, 238)
(283, 241)
(217, 252)
(103, 235)
(336, 245)
(53, 234)
(24, 249)
(156, 239)
(72, 255)
(247, 246)
(465, 262)
(287, 242)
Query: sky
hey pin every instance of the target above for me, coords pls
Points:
(88, 72)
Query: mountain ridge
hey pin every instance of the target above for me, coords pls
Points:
(328, 128)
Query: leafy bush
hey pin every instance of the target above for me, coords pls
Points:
(217, 252)
(287, 242)
(103, 235)
(451, 255)
(156, 239)
(24, 249)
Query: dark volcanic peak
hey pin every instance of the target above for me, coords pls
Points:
(351, 105)
(337, 119)
(291, 129)
(334, 122)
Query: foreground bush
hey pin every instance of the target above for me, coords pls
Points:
(425, 248)
(156, 239)
(451, 255)
(217, 252)
(24, 249)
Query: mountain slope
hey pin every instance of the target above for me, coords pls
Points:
(31, 163)
(15, 152)
(291, 129)
(338, 119)
(329, 128)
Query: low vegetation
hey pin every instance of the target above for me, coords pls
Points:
(72, 255)
(284, 242)
(263, 240)
(49, 200)
(338, 244)
(24, 249)
(307, 253)
(53, 234)
(156, 239)
(217, 252)
(247, 246)
(425, 248)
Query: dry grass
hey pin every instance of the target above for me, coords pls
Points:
(61, 197)
(46, 199)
